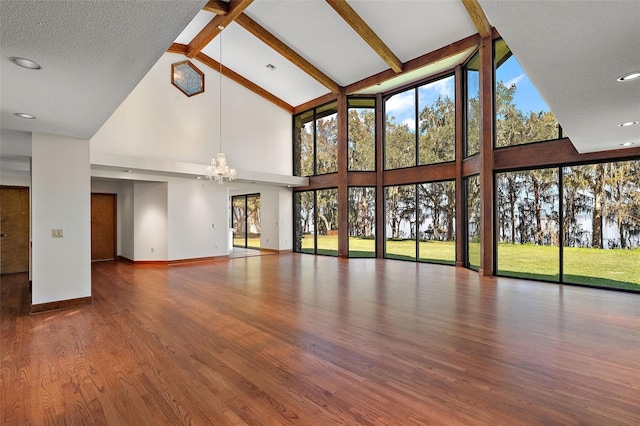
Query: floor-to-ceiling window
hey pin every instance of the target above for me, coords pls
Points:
(436, 222)
(400, 130)
(528, 224)
(361, 154)
(403, 174)
(420, 222)
(573, 224)
(436, 121)
(472, 106)
(315, 142)
(521, 115)
(316, 221)
(420, 125)
(304, 240)
(362, 222)
(400, 222)
(472, 249)
(601, 224)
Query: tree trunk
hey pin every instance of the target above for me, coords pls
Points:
(327, 226)
(596, 219)
(512, 211)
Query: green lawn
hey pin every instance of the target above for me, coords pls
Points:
(603, 268)
(253, 242)
(430, 251)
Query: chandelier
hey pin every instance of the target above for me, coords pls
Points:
(219, 171)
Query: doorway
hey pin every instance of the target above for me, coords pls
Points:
(245, 221)
(14, 229)
(103, 226)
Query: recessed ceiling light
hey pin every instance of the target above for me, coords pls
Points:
(25, 115)
(127, 171)
(629, 77)
(199, 177)
(628, 123)
(25, 63)
(626, 144)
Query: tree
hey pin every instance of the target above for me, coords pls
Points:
(623, 189)
(473, 208)
(400, 145)
(437, 123)
(508, 188)
(327, 144)
(362, 213)
(436, 202)
(303, 146)
(327, 210)
(576, 180)
(362, 142)
(401, 208)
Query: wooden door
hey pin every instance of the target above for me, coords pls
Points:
(14, 228)
(103, 226)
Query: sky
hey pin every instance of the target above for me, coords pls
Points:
(527, 99)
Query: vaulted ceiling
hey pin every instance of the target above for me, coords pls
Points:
(319, 47)
(291, 52)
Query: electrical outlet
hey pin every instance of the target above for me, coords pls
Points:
(151, 249)
(57, 233)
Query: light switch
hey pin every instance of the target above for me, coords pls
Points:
(57, 233)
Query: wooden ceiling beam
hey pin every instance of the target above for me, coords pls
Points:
(478, 17)
(419, 62)
(359, 26)
(218, 7)
(232, 75)
(178, 48)
(212, 29)
(273, 42)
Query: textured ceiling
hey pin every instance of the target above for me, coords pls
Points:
(574, 51)
(92, 55)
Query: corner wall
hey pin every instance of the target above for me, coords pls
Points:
(60, 199)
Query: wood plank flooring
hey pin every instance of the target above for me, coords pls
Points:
(300, 339)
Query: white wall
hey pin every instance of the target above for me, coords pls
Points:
(14, 143)
(157, 124)
(269, 219)
(125, 206)
(150, 221)
(60, 193)
(198, 219)
(158, 121)
(15, 153)
(286, 219)
(105, 186)
(10, 177)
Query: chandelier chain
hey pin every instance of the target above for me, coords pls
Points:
(219, 171)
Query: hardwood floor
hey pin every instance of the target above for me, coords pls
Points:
(318, 341)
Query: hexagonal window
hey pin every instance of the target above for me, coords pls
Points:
(187, 77)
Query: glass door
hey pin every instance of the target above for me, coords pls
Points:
(245, 220)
